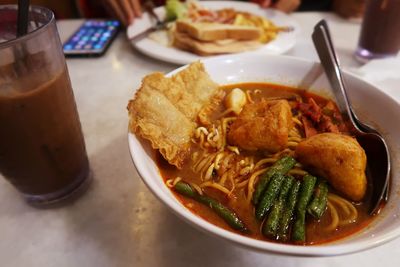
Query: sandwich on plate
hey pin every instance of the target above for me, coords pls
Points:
(211, 32)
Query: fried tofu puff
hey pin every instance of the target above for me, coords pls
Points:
(338, 158)
(264, 125)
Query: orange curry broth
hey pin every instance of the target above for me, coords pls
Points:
(315, 233)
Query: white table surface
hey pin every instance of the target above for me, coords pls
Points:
(118, 222)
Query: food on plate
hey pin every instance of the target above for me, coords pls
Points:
(210, 32)
(174, 9)
(185, 42)
(206, 31)
(267, 161)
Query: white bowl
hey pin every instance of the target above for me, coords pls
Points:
(371, 105)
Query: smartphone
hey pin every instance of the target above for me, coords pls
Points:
(91, 39)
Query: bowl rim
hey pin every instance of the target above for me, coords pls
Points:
(326, 249)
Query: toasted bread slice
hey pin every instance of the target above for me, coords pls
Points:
(227, 46)
(206, 31)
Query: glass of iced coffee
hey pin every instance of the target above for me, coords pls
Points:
(380, 30)
(42, 149)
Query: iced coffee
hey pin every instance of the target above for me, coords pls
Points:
(42, 149)
(380, 30)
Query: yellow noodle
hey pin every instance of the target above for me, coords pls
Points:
(234, 149)
(209, 172)
(294, 132)
(230, 177)
(297, 121)
(200, 161)
(211, 137)
(226, 160)
(291, 144)
(172, 182)
(197, 188)
(221, 138)
(286, 151)
(195, 155)
(202, 141)
(334, 216)
(217, 160)
(335, 199)
(204, 163)
(206, 166)
(249, 96)
(223, 178)
(294, 139)
(242, 184)
(227, 111)
(176, 180)
(252, 179)
(346, 206)
(200, 130)
(216, 186)
(298, 165)
(246, 170)
(169, 183)
(264, 161)
(224, 125)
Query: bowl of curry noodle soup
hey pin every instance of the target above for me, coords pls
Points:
(252, 148)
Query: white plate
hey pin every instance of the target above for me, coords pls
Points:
(284, 41)
(372, 106)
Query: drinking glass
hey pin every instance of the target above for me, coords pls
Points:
(42, 149)
(380, 30)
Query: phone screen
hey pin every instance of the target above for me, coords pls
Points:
(92, 38)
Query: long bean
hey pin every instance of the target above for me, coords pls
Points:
(269, 195)
(271, 225)
(288, 211)
(282, 166)
(317, 206)
(306, 191)
(225, 213)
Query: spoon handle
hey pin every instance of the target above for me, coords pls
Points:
(324, 46)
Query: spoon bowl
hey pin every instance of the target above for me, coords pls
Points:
(376, 149)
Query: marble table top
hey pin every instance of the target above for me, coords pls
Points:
(118, 222)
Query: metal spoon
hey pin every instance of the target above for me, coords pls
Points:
(376, 149)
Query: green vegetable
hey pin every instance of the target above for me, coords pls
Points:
(269, 195)
(282, 166)
(306, 191)
(226, 214)
(317, 206)
(288, 211)
(175, 10)
(271, 225)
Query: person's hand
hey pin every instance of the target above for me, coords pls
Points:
(282, 5)
(349, 8)
(125, 10)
